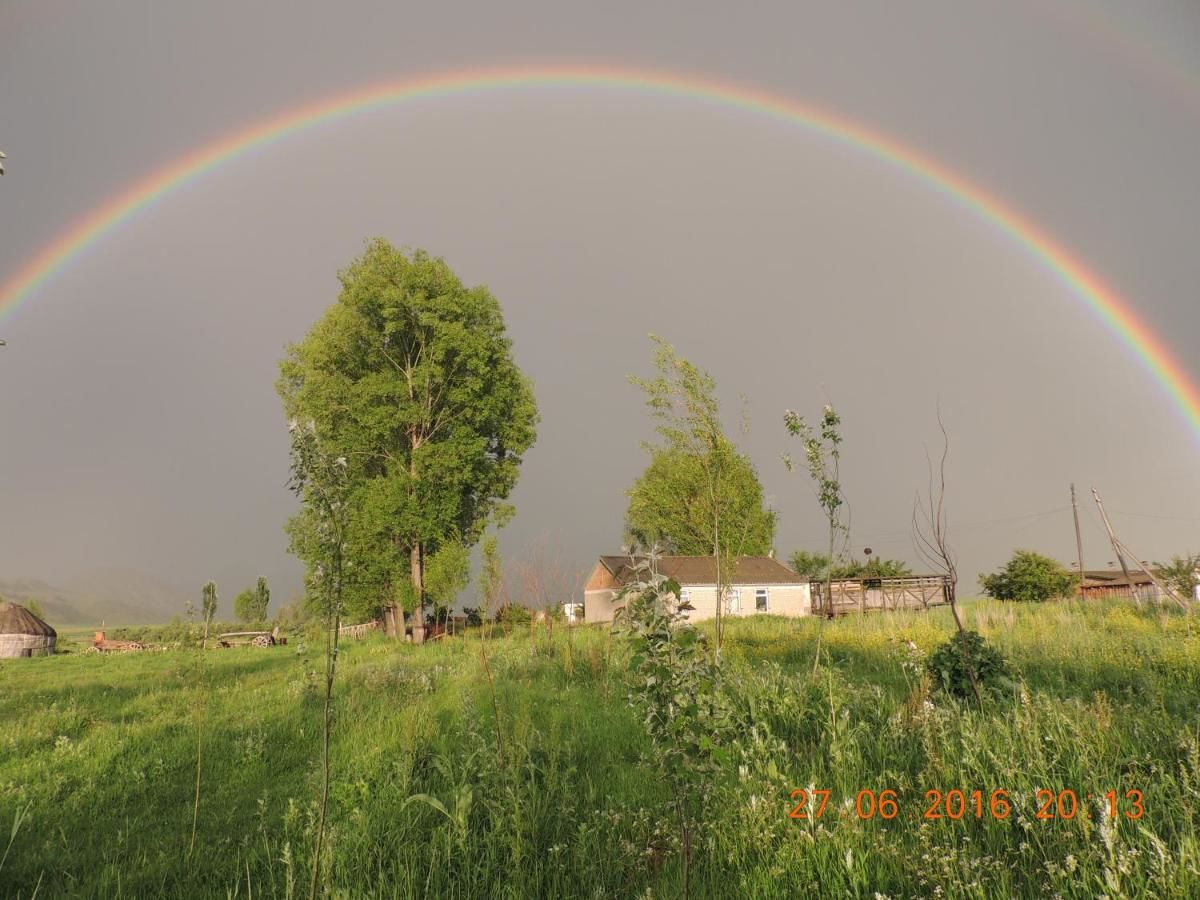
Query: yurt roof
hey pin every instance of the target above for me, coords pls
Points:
(16, 619)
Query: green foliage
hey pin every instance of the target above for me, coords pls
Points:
(321, 479)
(947, 665)
(294, 613)
(410, 379)
(697, 483)
(251, 604)
(809, 565)
(675, 686)
(34, 607)
(262, 598)
(814, 566)
(1029, 576)
(1182, 574)
(882, 568)
(822, 454)
(491, 575)
(669, 505)
(244, 608)
(514, 615)
(674, 679)
(208, 602)
(1107, 701)
(448, 573)
(822, 457)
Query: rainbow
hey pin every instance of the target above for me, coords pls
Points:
(1103, 301)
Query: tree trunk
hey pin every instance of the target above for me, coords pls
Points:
(829, 574)
(417, 563)
(717, 558)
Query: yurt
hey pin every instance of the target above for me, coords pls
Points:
(24, 634)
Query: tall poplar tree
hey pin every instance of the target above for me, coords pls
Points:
(410, 376)
(698, 494)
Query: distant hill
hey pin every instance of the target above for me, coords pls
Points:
(109, 596)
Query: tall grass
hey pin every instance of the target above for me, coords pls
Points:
(101, 753)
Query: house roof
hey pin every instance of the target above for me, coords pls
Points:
(15, 619)
(703, 569)
(1114, 578)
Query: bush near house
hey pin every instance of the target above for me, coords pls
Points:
(1029, 576)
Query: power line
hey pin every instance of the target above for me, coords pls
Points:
(1157, 516)
(876, 536)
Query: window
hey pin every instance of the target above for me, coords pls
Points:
(760, 599)
(685, 596)
(733, 600)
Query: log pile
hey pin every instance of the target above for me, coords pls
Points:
(104, 645)
(249, 639)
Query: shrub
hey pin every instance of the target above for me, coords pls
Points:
(949, 671)
(1029, 576)
(1183, 574)
(514, 616)
(675, 685)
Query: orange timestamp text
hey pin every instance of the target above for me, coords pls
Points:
(958, 804)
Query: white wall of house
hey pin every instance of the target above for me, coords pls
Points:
(749, 600)
(744, 600)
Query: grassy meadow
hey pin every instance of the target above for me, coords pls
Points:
(434, 794)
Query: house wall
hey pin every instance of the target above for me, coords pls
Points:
(1149, 592)
(601, 579)
(15, 645)
(599, 604)
(782, 600)
(599, 595)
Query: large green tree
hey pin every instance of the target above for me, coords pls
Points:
(696, 478)
(410, 378)
(670, 505)
(251, 604)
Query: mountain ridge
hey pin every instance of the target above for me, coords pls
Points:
(111, 596)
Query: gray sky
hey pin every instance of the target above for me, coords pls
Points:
(138, 422)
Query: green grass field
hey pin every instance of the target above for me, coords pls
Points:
(432, 796)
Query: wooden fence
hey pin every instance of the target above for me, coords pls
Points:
(883, 594)
(358, 632)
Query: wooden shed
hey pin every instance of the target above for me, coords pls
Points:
(24, 634)
(894, 593)
(1111, 584)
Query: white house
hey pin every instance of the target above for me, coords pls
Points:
(756, 585)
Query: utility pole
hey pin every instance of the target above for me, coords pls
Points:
(1078, 538)
(1162, 587)
(1116, 545)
